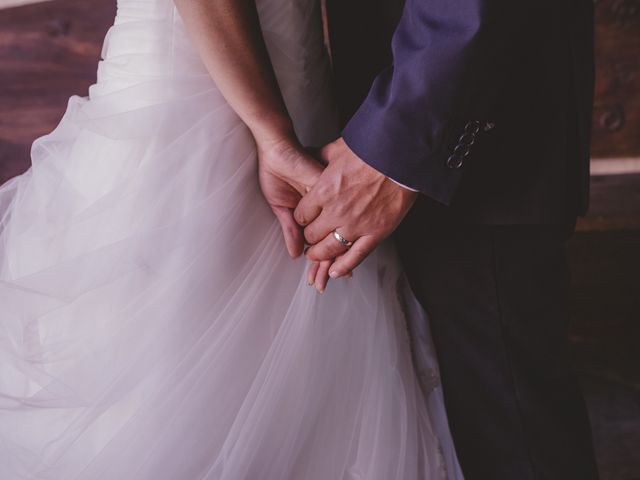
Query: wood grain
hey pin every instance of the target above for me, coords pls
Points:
(616, 122)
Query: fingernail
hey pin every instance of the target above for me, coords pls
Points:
(334, 274)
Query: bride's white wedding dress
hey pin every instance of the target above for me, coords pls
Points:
(152, 325)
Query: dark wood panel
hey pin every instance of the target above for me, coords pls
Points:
(616, 124)
(605, 335)
(615, 204)
(48, 52)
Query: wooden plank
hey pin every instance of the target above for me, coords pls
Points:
(616, 122)
(615, 204)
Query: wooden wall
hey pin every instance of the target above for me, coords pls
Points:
(616, 124)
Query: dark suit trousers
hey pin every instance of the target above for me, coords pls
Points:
(497, 301)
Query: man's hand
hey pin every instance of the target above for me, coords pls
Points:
(286, 173)
(357, 201)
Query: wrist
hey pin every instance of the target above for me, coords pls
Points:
(273, 132)
(405, 195)
(279, 154)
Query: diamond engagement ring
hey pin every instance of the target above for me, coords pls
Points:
(341, 239)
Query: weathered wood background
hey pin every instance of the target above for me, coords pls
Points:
(49, 51)
(616, 124)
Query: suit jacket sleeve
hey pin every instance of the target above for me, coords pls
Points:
(449, 58)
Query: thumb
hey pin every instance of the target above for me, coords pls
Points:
(306, 171)
(293, 238)
(328, 152)
(323, 154)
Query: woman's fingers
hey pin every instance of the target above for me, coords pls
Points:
(318, 275)
(291, 231)
(312, 272)
(322, 276)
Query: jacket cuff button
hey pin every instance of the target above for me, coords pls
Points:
(455, 161)
(472, 128)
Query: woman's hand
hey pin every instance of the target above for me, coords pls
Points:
(229, 38)
(286, 172)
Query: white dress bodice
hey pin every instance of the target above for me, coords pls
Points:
(149, 45)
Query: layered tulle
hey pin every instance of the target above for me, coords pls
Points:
(152, 325)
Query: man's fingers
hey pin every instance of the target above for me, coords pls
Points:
(355, 256)
(333, 151)
(327, 249)
(322, 276)
(308, 209)
(323, 154)
(293, 238)
(319, 229)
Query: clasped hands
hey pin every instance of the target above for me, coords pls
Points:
(336, 192)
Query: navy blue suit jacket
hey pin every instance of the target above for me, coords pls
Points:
(483, 105)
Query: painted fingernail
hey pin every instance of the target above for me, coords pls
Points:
(334, 274)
